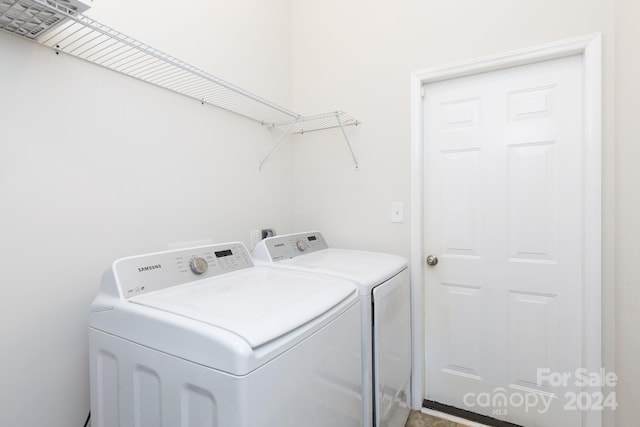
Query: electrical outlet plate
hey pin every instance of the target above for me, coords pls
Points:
(267, 232)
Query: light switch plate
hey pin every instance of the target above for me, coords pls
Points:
(397, 212)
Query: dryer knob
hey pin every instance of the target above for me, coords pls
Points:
(199, 265)
(303, 245)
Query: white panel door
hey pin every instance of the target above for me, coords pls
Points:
(503, 215)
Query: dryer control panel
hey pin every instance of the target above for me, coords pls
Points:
(289, 246)
(146, 273)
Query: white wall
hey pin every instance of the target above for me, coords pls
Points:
(95, 166)
(358, 56)
(627, 247)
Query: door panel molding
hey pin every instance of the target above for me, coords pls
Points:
(589, 47)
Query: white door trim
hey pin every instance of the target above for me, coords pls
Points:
(590, 47)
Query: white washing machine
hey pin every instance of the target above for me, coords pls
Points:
(384, 287)
(201, 337)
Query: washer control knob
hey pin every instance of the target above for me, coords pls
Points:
(303, 245)
(198, 265)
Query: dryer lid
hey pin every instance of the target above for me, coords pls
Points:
(258, 304)
(367, 269)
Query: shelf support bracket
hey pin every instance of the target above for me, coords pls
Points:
(278, 142)
(346, 138)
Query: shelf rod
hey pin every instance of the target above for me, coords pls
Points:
(346, 138)
(273, 148)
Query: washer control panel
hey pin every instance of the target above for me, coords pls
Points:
(146, 273)
(292, 245)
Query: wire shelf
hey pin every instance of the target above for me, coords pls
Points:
(59, 25)
(72, 33)
(31, 19)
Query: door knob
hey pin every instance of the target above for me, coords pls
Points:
(432, 260)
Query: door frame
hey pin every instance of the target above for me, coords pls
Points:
(590, 48)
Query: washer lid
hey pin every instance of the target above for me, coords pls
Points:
(258, 304)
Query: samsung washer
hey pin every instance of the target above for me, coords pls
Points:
(201, 337)
(384, 288)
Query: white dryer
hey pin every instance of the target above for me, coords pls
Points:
(201, 337)
(384, 288)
